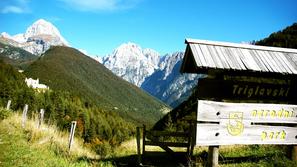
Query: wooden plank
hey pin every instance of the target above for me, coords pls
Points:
(215, 57)
(196, 50)
(236, 56)
(195, 55)
(228, 134)
(241, 90)
(277, 62)
(223, 58)
(248, 60)
(272, 62)
(259, 60)
(167, 133)
(264, 60)
(232, 58)
(169, 144)
(291, 59)
(254, 112)
(285, 60)
(226, 57)
(207, 56)
(281, 62)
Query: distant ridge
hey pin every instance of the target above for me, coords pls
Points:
(15, 56)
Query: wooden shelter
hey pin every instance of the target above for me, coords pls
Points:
(243, 71)
(204, 56)
(248, 76)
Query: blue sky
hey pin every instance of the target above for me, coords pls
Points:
(99, 26)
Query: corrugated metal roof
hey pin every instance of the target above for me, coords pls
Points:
(239, 57)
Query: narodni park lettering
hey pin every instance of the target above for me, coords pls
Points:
(273, 135)
(251, 91)
(266, 135)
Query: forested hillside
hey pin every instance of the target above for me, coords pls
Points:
(63, 68)
(286, 38)
(15, 56)
(99, 128)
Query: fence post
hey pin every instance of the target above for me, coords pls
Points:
(143, 142)
(71, 135)
(138, 145)
(25, 110)
(8, 105)
(41, 116)
(213, 156)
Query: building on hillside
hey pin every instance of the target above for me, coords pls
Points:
(36, 85)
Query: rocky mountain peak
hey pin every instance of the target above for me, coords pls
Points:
(37, 38)
(132, 63)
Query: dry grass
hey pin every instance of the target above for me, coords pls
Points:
(48, 136)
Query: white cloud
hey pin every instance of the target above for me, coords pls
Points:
(12, 9)
(14, 6)
(101, 5)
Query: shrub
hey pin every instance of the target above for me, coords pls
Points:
(4, 113)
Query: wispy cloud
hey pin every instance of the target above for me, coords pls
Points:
(14, 6)
(101, 5)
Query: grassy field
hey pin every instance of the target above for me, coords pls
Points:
(47, 146)
(31, 146)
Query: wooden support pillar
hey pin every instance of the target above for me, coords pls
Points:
(138, 145)
(294, 153)
(143, 142)
(213, 156)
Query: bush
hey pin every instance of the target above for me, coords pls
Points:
(103, 149)
(4, 113)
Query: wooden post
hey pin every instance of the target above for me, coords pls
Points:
(143, 141)
(138, 145)
(71, 135)
(41, 116)
(294, 153)
(8, 105)
(25, 110)
(191, 139)
(213, 156)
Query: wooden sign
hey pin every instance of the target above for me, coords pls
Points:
(240, 90)
(245, 123)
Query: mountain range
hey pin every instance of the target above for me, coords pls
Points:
(145, 68)
(158, 75)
